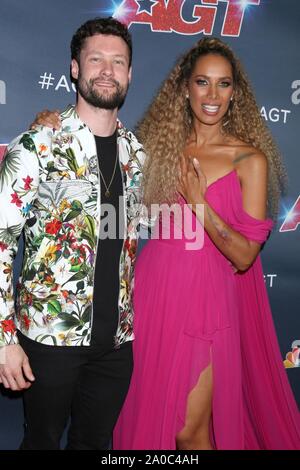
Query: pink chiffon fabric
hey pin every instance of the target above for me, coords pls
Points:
(192, 311)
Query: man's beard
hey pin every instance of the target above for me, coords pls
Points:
(89, 94)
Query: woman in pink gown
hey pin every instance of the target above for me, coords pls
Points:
(203, 374)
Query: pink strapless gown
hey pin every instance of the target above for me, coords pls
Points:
(192, 310)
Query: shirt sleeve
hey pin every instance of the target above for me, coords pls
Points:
(19, 179)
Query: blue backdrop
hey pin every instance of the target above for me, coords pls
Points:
(34, 74)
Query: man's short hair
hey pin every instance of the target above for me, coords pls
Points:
(100, 26)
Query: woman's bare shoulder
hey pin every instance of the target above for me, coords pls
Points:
(242, 151)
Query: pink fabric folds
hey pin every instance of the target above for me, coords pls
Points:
(191, 311)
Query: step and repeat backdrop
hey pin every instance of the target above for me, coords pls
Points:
(34, 75)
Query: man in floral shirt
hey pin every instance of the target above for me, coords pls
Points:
(70, 353)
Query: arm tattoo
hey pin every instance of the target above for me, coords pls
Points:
(222, 231)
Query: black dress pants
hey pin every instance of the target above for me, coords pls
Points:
(88, 384)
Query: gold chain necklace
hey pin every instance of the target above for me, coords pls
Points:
(107, 192)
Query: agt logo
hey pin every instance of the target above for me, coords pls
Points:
(2, 92)
(292, 218)
(167, 16)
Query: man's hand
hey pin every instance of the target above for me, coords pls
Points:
(16, 373)
(47, 118)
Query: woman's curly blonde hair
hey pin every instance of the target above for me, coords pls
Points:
(167, 125)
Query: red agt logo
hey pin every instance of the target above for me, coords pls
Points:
(166, 16)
